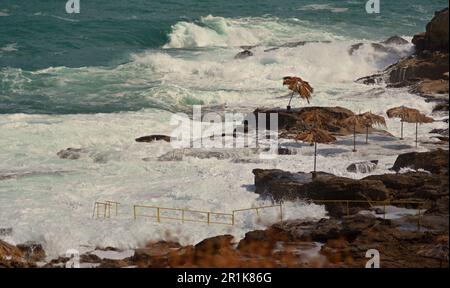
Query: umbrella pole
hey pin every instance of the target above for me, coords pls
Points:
(354, 137)
(401, 137)
(289, 105)
(315, 159)
(416, 133)
(367, 134)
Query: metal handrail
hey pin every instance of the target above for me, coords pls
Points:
(107, 205)
(159, 210)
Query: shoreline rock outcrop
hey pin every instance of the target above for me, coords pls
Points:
(426, 71)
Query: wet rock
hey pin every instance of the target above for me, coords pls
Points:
(6, 232)
(70, 153)
(300, 119)
(363, 167)
(412, 70)
(32, 251)
(413, 185)
(152, 138)
(434, 161)
(443, 132)
(436, 36)
(294, 44)
(395, 40)
(12, 257)
(441, 107)
(285, 151)
(376, 46)
(430, 87)
(426, 70)
(263, 242)
(244, 54)
(372, 79)
(282, 185)
(214, 245)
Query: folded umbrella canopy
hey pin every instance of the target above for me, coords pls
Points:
(369, 119)
(298, 85)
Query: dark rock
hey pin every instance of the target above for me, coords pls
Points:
(436, 35)
(395, 40)
(363, 167)
(70, 153)
(32, 251)
(443, 132)
(301, 119)
(441, 107)
(435, 161)
(281, 185)
(427, 67)
(285, 151)
(244, 54)
(412, 70)
(376, 46)
(6, 231)
(413, 185)
(371, 80)
(263, 242)
(214, 245)
(152, 138)
(431, 87)
(12, 257)
(294, 44)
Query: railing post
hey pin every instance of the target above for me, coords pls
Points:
(257, 212)
(134, 211)
(209, 217)
(158, 215)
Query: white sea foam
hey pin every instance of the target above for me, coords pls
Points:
(329, 7)
(211, 31)
(12, 47)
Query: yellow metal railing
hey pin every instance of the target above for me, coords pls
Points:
(184, 215)
(103, 210)
(106, 207)
(257, 209)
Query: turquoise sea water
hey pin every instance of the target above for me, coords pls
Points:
(39, 35)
